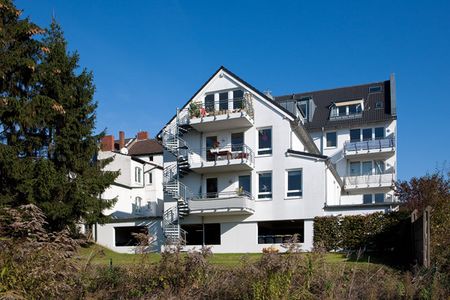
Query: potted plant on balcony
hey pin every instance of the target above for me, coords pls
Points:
(194, 110)
(240, 191)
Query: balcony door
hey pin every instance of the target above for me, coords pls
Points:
(211, 143)
(245, 184)
(211, 188)
(237, 141)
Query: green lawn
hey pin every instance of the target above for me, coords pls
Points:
(101, 255)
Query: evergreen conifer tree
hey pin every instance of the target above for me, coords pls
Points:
(47, 117)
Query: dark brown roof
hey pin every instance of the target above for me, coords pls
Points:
(145, 147)
(325, 98)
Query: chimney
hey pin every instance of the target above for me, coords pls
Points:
(142, 135)
(107, 143)
(121, 140)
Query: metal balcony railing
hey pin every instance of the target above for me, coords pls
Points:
(216, 108)
(240, 152)
(368, 146)
(372, 180)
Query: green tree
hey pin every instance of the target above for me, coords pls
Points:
(49, 149)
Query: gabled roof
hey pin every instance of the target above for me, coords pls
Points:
(145, 147)
(244, 83)
(325, 99)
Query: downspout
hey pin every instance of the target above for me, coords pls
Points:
(321, 141)
(203, 231)
(326, 182)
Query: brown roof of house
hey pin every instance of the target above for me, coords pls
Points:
(324, 100)
(145, 147)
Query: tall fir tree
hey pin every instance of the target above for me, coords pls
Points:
(49, 149)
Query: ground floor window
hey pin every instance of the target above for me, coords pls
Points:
(278, 232)
(202, 234)
(124, 236)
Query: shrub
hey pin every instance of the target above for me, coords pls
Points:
(326, 232)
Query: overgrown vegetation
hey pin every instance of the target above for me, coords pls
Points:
(36, 264)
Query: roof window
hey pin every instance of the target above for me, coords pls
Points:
(347, 109)
(374, 89)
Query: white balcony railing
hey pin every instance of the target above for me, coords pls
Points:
(387, 144)
(369, 181)
(223, 203)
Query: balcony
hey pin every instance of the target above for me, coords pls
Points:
(218, 115)
(221, 159)
(223, 203)
(148, 210)
(384, 180)
(381, 146)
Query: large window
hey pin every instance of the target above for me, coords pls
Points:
(209, 103)
(367, 198)
(237, 141)
(355, 135)
(379, 167)
(331, 139)
(355, 168)
(223, 101)
(137, 174)
(124, 236)
(367, 134)
(294, 183)
(265, 185)
(238, 98)
(265, 141)
(379, 198)
(366, 168)
(202, 234)
(278, 232)
(245, 183)
(379, 133)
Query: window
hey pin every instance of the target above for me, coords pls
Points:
(367, 134)
(265, 185)
(355, 168)
(124, 236)
(237, 141)
(238, 97)
(265, 141)
(375, 89)
(342, 110)
(150, 157)
(211, 143)
(245, 183)
(196, 232)
(138, 202)
(379, 198)
(303, 105)
(137, 174)
(379, 133)
(294, 183)
(211, 188)
(366, 168)
(378, 105)
(150, 178)
(379, 167)
(278, 232)
(223, 101)
(354, 109)
(209, 103)
(367, 198)
(355, 135)
(331, 139)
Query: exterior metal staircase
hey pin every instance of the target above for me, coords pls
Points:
(172, 185)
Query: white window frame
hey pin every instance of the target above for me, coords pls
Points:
(271, 187)
(326, 140)
(271, 142)
(137, 174)
(286, 186)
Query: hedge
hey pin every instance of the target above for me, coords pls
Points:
(377, 232)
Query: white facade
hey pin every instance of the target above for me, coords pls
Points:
(139, 194)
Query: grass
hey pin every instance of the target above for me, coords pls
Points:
(104, 256)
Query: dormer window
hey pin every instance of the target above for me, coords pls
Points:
(303, 106)
(346, 109)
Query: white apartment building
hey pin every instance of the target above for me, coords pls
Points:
(138, 190)
(244, 170)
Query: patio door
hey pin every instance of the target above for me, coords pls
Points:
(237, 141)
(211, 142)
(245, 183)
(211, 188)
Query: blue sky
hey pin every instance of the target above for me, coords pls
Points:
(148, 57)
